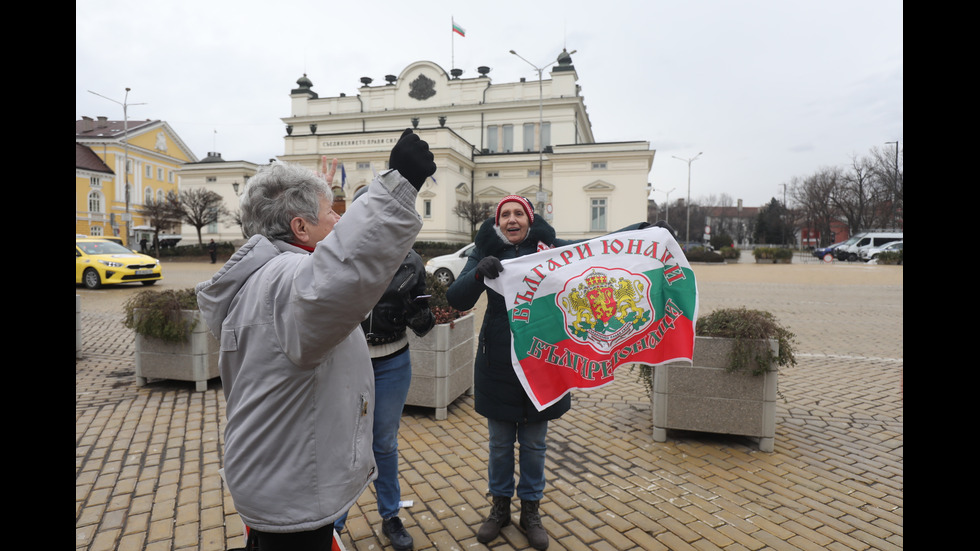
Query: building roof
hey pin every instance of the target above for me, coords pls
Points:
(104, 128)
(86, 159)
(733, 212)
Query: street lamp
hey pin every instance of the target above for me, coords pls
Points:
(687, 233)
(895, 186)
(540, 71)
(125, 106)
(667, 210)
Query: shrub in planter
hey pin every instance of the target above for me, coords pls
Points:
(443, 312)
(701, 254)
(157, 314)
(775, 254)
(732, 383)
(730, 253)
(171, 340)
(442, 360)
(743, 326)
(891, 257)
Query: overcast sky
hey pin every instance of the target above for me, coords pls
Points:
(768, 90)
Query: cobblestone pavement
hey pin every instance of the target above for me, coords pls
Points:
(147, 458)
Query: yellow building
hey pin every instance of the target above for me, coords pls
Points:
(153, 153)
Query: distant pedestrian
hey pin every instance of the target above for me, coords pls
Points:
(213, 251)
(143, 244)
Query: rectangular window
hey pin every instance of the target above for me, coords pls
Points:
(364, 166)
(598, 215)
(529, 137)
(508, 144)
(493, 174)
(211, 179)
(160, 174)
(95, 182)
(546, 134)
(170, 176)
(213, 226)
(492, 139)
(533, 172)
(149, 171)
(427, 208)
(599, 165)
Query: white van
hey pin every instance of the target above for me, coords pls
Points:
(851, 249)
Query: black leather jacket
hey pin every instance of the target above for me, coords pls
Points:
(399, 308)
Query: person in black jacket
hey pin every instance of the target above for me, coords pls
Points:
(404, 304)
(499, 396)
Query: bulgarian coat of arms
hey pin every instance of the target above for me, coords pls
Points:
(605, 307)
(422, 88)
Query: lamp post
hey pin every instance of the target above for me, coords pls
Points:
(667, 210)
(687, 232)
(895, 186)
(127, 217)
(540, 71)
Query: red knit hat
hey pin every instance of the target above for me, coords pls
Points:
(524, 202)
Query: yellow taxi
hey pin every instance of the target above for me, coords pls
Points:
(100, 262)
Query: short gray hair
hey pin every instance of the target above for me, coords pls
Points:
(277, 194)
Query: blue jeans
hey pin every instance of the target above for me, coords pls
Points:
(392, 377)
(531, 437)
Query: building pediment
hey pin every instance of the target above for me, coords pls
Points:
(598, 186)
(491, 193)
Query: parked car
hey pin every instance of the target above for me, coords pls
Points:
(851, 249)
(821, 252)
(100, 262)
(446, 268)
(871, 253)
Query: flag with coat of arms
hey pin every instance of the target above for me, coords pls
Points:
(578, 312)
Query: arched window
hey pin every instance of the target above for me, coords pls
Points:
(147, 195)
(95, 201)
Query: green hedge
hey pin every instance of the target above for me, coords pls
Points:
(772, 253)
(701, 254)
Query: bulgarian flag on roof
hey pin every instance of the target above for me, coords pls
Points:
(578, 312)
(458, 29)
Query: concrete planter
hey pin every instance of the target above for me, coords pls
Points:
(196, 359)
(442, 365)
(705, 397)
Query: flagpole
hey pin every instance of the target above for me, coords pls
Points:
(452, 41)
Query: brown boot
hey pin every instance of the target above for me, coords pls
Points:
(531, 523)
(498, 518)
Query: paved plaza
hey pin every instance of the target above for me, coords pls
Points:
(147, 458)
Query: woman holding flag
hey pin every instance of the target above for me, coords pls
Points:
(511, 416)
(499, 395)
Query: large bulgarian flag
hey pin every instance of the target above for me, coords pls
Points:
(578, 312)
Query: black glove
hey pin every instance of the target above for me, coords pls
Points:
(412, 159)
(489, 267)
(663, 224)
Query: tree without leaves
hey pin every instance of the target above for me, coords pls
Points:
(235, 218)
(200, 207)
(812, 196)
(474, 212)
(161, 215)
